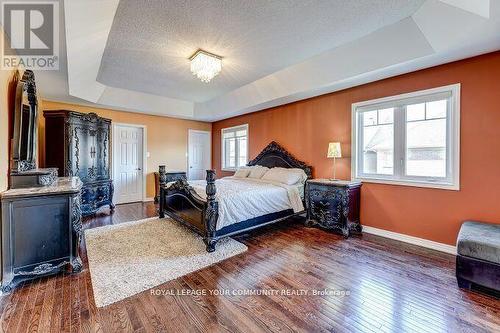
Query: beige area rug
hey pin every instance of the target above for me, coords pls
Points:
(128, 258)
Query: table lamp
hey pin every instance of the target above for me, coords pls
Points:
(334, 152)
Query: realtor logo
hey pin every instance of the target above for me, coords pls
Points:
(31, 35)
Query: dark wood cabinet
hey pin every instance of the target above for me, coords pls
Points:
(79, 145)
(41, 230)
(334, 205)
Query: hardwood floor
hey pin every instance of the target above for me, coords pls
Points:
(391, 287)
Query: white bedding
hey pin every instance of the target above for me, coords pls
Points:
(241, 199)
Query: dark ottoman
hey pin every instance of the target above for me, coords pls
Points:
(478, 255)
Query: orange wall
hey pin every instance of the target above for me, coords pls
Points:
(306, 127)
(166, 137)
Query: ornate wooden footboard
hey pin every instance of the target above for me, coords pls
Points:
(181, 202)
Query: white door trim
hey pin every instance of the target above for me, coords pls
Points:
(144, 153)
(209, 146)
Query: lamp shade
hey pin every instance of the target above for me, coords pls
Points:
(334, 150)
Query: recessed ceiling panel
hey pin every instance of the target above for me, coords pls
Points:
(150, 43)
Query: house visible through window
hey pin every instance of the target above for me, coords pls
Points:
(234, 147)
(410, 139)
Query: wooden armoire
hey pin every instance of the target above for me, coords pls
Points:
(78, 144)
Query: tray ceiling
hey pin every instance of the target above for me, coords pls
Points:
(149, 45)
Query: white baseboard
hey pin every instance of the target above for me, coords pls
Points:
(148, 199)
(412, 240)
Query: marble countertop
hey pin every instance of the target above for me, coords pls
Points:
(63, 185)
(335, 182)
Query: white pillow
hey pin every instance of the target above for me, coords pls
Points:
(257, 171)
(286, 176)
(242, 173)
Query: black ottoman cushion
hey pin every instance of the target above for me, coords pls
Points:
(479, 240)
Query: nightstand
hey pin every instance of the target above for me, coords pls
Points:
(333, 205)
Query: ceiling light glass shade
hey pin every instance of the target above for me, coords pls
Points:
(205, 65)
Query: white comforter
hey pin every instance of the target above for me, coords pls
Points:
(241, 199)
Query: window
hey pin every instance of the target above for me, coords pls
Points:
(234, 147)
(411, 139)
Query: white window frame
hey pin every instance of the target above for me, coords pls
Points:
(452, 181)
(223, 147)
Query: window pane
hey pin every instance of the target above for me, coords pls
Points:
(241, 133)
(226, 153)
(415, 112)
(224, 157)
(378, 147)
(227, 135)
(426, 148)
(231, 151)
(369, 118)
(386, 116)
(436, 109)
(242, 151)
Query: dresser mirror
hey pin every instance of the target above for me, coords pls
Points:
(24, 139)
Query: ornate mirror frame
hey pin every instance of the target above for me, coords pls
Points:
(24, 145)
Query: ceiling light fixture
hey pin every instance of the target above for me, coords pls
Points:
(205, 65)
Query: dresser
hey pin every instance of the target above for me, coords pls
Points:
(40, 212)
(333, 205)
(41, 231)
(78, 144)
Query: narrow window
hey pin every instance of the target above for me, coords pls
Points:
(234, 147)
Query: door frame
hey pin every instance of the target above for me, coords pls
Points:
(144, 153)
(209, 146)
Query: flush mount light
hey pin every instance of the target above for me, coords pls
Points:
(205, 65)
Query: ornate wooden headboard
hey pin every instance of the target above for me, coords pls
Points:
(276, 156)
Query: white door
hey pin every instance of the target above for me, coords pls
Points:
(128, 163)
(199, 159)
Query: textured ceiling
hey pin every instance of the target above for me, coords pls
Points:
(149, 43)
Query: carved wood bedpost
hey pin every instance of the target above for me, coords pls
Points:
(211, 212)
(162, 180)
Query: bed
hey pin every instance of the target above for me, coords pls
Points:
(232, 205)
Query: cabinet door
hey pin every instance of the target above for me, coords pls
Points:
(39, 230)
(95, 195)
(81, 151)
(92, 167)
(102, 148)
